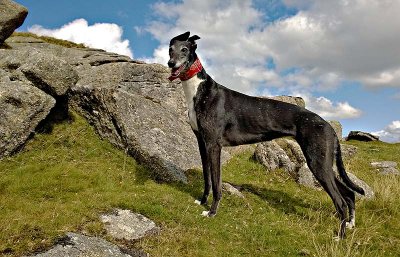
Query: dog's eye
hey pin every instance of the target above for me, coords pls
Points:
(184, 50)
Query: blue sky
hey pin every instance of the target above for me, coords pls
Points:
(125, 13)
(342, 57)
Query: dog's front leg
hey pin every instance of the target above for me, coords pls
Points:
(214, 158)
(206, 169)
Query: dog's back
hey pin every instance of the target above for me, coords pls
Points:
(248, 119)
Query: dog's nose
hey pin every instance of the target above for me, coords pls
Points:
(171, 63)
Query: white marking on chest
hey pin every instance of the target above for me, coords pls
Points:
(190, 87)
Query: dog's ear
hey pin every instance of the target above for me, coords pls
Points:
(181, 37)
(192, 40)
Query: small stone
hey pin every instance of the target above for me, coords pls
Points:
(232, 190)
(124, 224)
(386, 167)
(384, 164)
(76, 245)
(369, 193)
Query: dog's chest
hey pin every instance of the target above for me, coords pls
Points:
(190, 87)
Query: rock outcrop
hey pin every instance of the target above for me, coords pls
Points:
(22, 108)
(51, 74)
(286, 154)
(337, 127)
(291, 99)
(361, 136)
(134, 106)
(130, 103)
(12, 15)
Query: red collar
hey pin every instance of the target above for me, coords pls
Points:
(193, 70)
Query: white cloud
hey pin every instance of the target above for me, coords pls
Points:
(258, 74)
(160, 55)
(106, 36)
(382, 78)
(390, 133)
(298, 3)
(237, 44)
(328, 41)
(358, 40)
(328, 109)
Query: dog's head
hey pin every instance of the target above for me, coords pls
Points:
(182, 53)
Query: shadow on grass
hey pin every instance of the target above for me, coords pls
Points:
(195, 185)
(278, 200)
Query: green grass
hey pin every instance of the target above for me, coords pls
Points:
(62, 181)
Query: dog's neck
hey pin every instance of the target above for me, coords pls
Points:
(190, 83)
(191, 79)
(194, 69)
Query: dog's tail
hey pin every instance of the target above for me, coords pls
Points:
(342, 171)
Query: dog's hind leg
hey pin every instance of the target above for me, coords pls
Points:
(327, 181)
(349, 197)
(214, 158)
(319, 158)
(206, 170)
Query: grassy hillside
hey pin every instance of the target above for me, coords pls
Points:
(63, 180)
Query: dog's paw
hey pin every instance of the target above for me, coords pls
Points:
(197, 202)
(205, 213)
(208, 214)
(350, 225)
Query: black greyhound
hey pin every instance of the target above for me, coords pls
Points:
(223, 117)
